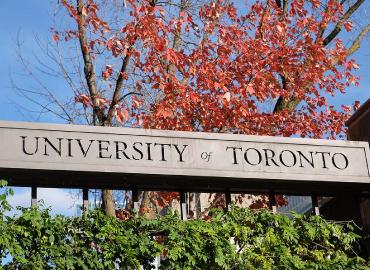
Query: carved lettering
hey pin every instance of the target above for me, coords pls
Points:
(163, 149)
(284, 161)
(309, 161)
(134, 146)
(149, 151)
(181, 159)
(120, 151)
(335, 161)
(234, 153)
(248, 160)
(69, 147)
(323, 158)
(57, 149)
(103, 149)
(270, 157)
(84, 151)
(24, 146)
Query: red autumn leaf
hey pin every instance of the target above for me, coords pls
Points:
(355, 65)
(279, 28)
(316, 3)
(193, 97)
(85, 49)
(250, 89)
(56, 37)
(107, 72)
(348, 26)
(84, 99)
(122, 115)
(164, 112)
(136, 102)
(356, 105)
(124, 75)
(102, 102)
(227, 96)
(84, 11)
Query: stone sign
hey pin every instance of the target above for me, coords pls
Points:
(138, 151)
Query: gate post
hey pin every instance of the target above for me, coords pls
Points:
(228, 200)
(85, 201)
(184, 214)
(272, 202)
(135, 200)
(315, 205)
(33, 196)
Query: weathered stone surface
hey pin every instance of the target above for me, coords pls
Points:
(136, 151)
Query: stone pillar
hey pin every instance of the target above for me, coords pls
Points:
(359, 130)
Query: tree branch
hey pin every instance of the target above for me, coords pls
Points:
(290, 103)
(117, 89)
(88, 65)
(356, 43)
(119, 82)
(177, 36)
(339, 25)
(283, 4)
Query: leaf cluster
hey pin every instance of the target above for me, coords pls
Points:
(237, 239)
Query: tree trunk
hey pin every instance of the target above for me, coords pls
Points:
(144, 206)
(198, 205)
(108, 202)
(286, 104)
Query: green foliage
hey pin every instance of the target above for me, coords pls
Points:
(238, 239)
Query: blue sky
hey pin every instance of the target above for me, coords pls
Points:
(28, 18)
(33, 17)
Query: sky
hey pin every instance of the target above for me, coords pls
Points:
(26, 19)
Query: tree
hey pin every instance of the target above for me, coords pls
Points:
(264, 68)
